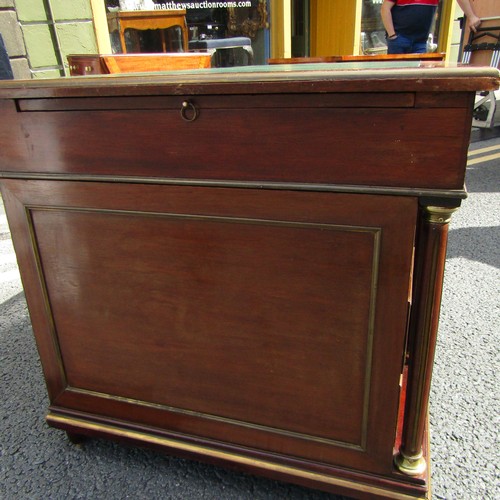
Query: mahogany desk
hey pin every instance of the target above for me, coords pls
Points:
(243, 267)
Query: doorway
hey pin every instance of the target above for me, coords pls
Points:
(301, 44)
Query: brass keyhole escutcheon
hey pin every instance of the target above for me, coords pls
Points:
(189, 112)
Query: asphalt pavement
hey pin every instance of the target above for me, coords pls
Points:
(37, 462)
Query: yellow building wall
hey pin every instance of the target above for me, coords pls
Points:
(335, 27)
(281, 28)
(101, 26)
(446, 27)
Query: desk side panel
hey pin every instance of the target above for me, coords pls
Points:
(266, 319)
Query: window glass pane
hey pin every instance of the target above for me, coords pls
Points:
(372, 29)
(233, 31)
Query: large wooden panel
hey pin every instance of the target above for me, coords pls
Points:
(227, 317)
(265, 318)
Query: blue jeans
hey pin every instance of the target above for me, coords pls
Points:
(404, 45)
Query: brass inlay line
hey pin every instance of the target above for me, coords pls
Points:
(211, 218)
(217, 418)
(375, 231)
(231, 457)
(371, 330)
(45, 295)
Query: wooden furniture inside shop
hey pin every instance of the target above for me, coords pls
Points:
(95, 64)
(139, 63)
(230, 266)
(86, 64)
(121, 21)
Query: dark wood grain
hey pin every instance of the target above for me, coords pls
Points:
(86, 64)
(258, 308)
(398, 147)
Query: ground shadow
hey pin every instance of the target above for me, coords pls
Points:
(480, 244)
(483, 177)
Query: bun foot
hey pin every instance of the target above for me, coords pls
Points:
(75, 438)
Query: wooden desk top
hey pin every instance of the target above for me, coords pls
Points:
(305, 78)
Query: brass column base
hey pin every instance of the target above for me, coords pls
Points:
(411, 466)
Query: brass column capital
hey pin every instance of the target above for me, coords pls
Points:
(439, 215)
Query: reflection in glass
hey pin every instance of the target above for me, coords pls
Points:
(372, 29)
(207, 27)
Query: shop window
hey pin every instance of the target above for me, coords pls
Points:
(206, 21)
(373, 31)
(300, 28)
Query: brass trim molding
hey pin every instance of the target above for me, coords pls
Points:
(454, 194)
(61, 422)
(44, 292)
(217, 418)
(439, 215)
(374, 231)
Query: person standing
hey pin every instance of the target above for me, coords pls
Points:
(408, 23)
(466, 6)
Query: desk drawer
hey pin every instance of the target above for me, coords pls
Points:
(338, 138)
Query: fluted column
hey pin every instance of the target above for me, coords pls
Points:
(426, 301)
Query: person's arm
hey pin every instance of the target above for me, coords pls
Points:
(466, 6)
(386, 15)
